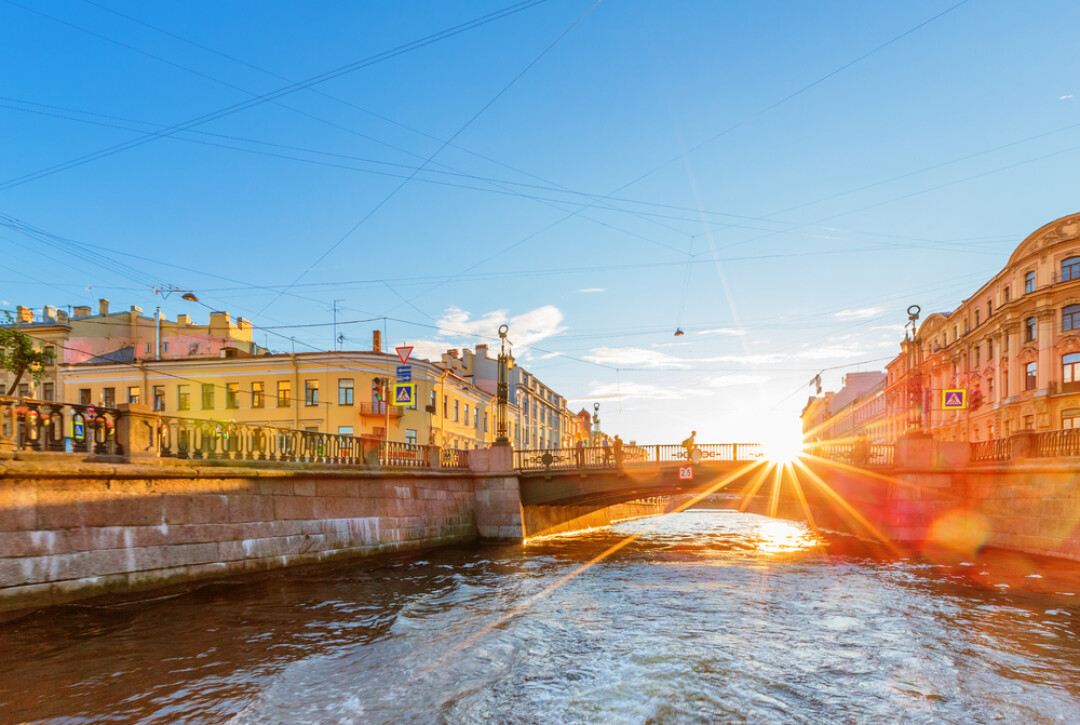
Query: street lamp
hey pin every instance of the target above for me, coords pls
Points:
(596, 422)
(915, 418)
(506, 363)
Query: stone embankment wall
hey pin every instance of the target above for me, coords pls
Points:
(68, 532)
(549, 520)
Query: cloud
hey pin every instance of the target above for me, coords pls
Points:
(723, 331)
(625, 391)
(728, 381)
(861, 314)
(634, 356)
(457, 329)
(829, 352)
(588, 290)
(761, 359)
(549, 355)
(1064, 98)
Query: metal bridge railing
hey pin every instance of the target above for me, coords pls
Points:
(631, 455)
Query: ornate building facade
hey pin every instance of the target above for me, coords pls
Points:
(1012, 347)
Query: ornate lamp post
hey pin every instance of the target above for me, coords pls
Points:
(502, 391)
(915, 417)
(596, 423)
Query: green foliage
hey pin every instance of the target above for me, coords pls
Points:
(18, 356)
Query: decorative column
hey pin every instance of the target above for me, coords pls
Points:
(1012, 333)
(1046, 375)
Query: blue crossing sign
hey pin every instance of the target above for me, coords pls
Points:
(404, 394)
(78, 432)
(404, 373)
(955, 399)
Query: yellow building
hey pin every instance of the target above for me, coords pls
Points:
(1012, 347)
(333, 392)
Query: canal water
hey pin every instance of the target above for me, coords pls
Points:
(699, 617)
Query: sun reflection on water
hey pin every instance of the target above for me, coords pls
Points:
(778, 537)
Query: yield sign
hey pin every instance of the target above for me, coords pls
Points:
(403, 352)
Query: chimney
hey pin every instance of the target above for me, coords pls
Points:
(481, 350)
(136, 309)
(183, 320)
(80, 311)
(452, 353)
(61, 317)
(48, 314)
(376, 341)
(23, 314)
(103, 307)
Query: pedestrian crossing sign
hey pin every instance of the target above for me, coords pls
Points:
(404, 393)
(954, 399)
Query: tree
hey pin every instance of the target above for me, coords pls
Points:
(17, 355)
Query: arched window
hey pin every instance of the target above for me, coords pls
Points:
(1070, 318)
(1070, 372)
(1070, 269)
(1029, 282)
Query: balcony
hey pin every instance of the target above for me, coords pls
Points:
(380, 410)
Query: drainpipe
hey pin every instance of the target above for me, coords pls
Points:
(296, 393)
(157, 333)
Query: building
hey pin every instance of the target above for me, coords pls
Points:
(857, 410)
(541, 418)
(1012, 347)
(126, 336)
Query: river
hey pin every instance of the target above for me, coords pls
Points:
(699, 617)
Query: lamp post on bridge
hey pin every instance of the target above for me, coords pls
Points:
(502, 391)
(913, 360)
(596, 424)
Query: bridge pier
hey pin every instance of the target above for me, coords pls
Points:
(499, 513)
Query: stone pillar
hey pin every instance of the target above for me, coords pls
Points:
(1046, 374)
(1012, 331)
(1023, 445)
(137, 431)
(498, 494)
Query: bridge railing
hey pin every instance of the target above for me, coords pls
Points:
(998, 449)
(856, 453)
(632, 455)
(46, 426)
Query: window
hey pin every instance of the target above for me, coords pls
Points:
(434, 402)
(1029, 422)
(445, 407)
(457, 411)
(24, 390)
(977, 351)
(410, 436)
(1070, 269)
(232, 395)
(1070, 418)
(1070, 372)
(284, 393)
(485, 421)
(134, 392)
(183, 398)
(258, 395)
(990, 389)
(967, 327)
(976, 318)
(1030, 382)
(159, 397)
(311, 392)
(207, 396)
(1029, 329)
(989, 351)
(146, 348)
(193, 349)
(345, 430)
(1070, 317)
(84, 396)
(345, 391)
(1006, 294)
(989, 308)
(466, 414)
(47, 391)
(1029, 283)
(108, 397)
(165, 347)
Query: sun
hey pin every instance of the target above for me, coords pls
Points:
(782, 444)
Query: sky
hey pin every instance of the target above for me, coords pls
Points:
(779, 180)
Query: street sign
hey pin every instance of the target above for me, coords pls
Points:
(404, 394)
(90, 412)
(686, 473)
(403, 352)
(404, 373)
(954, 399)
(78, 433)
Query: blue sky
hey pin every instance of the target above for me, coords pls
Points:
(779, 179)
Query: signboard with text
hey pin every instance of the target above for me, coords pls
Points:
(686, 473)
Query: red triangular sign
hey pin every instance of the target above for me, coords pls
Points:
(403, 352)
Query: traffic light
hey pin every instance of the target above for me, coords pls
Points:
(377, 388)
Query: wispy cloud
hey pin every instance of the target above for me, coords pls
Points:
(625, 391)
(1064, 98)
(728, 381)
(723, 331)
(860, 314)
(457, 328)
(634, 356)
(593, 289)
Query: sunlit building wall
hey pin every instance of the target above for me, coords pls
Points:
(1013, 346)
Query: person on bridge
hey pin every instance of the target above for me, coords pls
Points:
(618, 452)
(607, 452)
(688, 444)
(579, 453)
